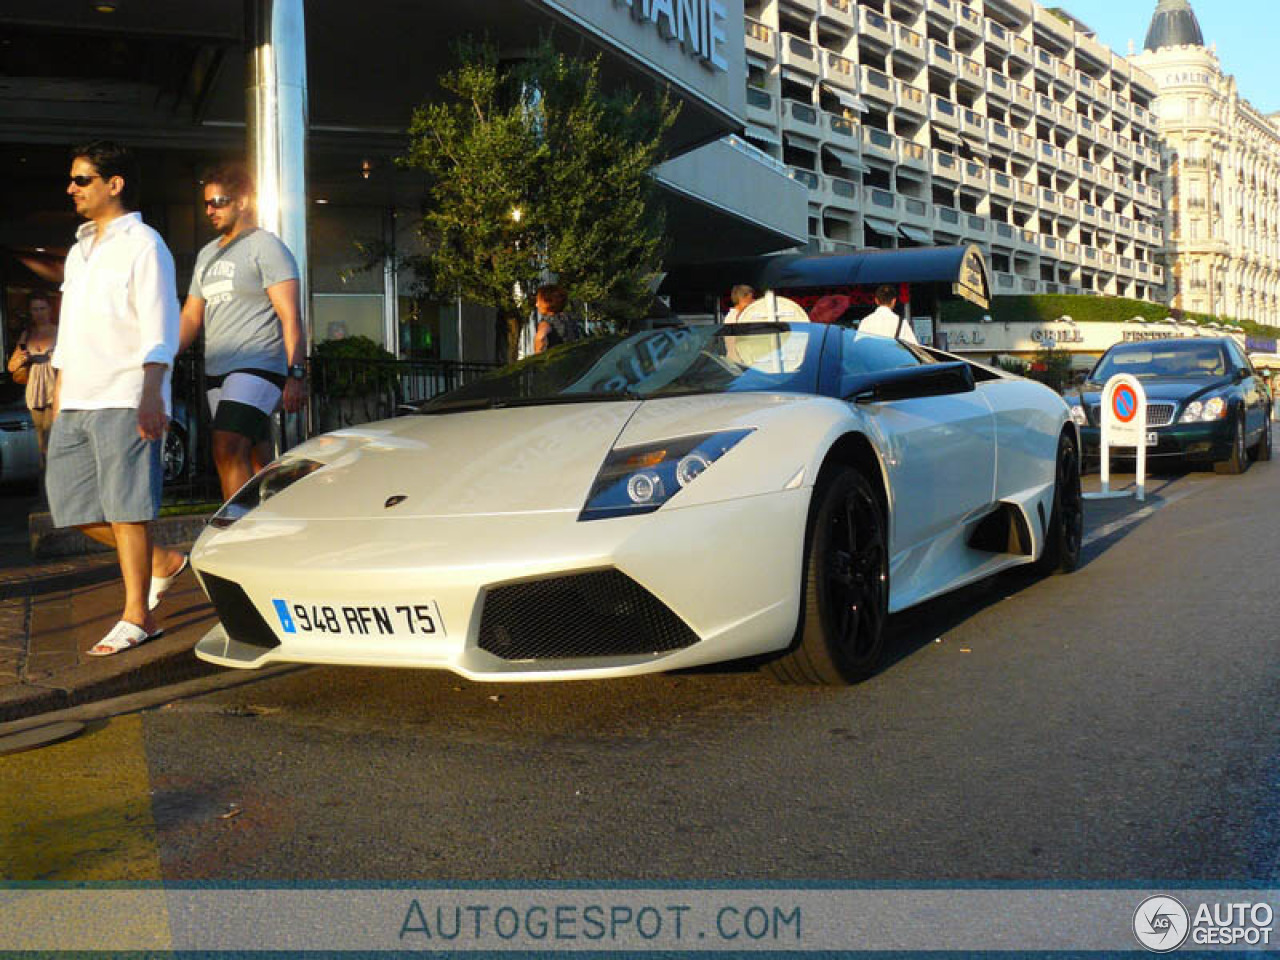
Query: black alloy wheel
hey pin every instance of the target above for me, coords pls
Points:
(1064, 536)
(1239, 459)
(173, 454)
(841, 635)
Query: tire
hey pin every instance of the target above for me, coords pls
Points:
(1065, 533)
(845, 577)
(173, 454)
(1262, 449)
(1238, 460)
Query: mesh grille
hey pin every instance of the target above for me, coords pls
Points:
(599, 614)
(1158, 414)
(240, 618)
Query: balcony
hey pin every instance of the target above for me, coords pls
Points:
(807, 177)
(1089, 214)
(1049, 243)
(800, 55)
(1046, 63)
(760, 107)
(1046, 108)
(1050, 25)
(943, 112)
(1069, 206)
(761, 40)
(1026, 144)
(942, 58)
(912, 100)
(974, 175)
(1157, 273)
(880, 202)
(1021, 51)
(843, 192)
(997, 37)
(1085, 85)
(1001, 185)
(971, 71)
(1006, 283)
(999, 87)
(1005, 232)
(1026, 194)
(941, 10)
(841, 128)
(841, 71)
(913, 155)
(946, 166)
(973, 123)
(910, 45)
(800, 118)
(916, 212)
(879, 143)
(1049, 201)
(1046, 153)
(836, 13)
(1068, 163)
(1024, 96)
(976, 228)
(999, 134)
(875, 27)
(946, 218)
(878, 87)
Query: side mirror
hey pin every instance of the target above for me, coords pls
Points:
(929, 380)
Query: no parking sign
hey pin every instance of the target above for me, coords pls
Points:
(1124, 424)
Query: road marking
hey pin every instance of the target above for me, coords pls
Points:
(80, 810)
(1107, 529)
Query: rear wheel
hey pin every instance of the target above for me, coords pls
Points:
(1065, 534)
(1262, 449)
(845, 578)
(1238, 459)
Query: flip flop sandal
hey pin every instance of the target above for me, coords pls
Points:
(123, 636)
(160, 585)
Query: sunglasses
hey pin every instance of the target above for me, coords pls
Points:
(219, 202)
(84, 179)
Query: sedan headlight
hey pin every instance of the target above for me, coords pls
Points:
(265, 485)
(637, 480)
(1078, 415)
(1199, 411)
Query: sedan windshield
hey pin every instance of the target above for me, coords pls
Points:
(1150, 360)
(655, 363)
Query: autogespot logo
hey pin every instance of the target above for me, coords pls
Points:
(1161, 923)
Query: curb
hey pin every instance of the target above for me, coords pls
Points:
(49, 542)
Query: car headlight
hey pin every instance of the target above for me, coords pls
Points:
(1078, 414)
(265, 485)
(1198, 411)
(635, 480)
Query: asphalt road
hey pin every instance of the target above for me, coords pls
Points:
(1115, 725)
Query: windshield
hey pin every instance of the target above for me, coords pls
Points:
(1149, 360)
(655, 363)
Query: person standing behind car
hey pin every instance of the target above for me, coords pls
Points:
(554, 325)
(31, 357)
(884, 320)
(245, 293)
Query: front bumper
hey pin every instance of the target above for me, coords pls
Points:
(726, 574)
(1194, 442)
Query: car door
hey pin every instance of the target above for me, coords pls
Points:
(1254, 395)
(939, 452)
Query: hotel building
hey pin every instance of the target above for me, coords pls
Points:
(996, 122)
(1223, 189)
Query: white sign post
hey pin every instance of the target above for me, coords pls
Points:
(1124, 424)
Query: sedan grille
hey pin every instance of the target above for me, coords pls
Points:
(1158, 414)
(240, 618)
(599, 614)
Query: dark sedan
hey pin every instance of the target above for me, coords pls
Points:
(1205, 401)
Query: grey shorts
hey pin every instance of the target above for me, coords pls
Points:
(100, 470)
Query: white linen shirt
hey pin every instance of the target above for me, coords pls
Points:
(883, 322)
(119, 311)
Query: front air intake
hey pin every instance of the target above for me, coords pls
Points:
(240, 618)
(599, 614)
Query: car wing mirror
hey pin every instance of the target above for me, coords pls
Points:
(908, 383)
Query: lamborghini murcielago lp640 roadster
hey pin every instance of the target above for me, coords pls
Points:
(624, 505)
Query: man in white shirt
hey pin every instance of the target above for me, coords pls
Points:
(741, 296)
(118, 336)
(884, 320)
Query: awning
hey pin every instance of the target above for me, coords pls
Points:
(915, 233)
(946, 137)
(801, 141)
(795, 76)
(847, 99)
(959, 270)
(763, 134)
(880, 226)
(847, 159)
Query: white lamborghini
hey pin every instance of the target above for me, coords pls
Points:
(625, 505)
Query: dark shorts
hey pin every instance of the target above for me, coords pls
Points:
(100, 470)
(243, 401)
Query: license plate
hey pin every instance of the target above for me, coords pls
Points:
(1153, 439)
(359, 619)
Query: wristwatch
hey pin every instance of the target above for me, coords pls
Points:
(298, 371)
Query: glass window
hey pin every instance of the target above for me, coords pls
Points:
(865, 354)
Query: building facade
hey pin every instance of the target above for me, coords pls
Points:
(996, 122)
(1223, 187)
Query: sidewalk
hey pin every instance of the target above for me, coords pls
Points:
(52, 612)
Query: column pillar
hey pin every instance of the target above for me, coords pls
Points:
(276, 127)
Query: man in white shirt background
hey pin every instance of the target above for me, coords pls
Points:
(114, 358)
(884, 321)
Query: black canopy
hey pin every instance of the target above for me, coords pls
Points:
(961, 271)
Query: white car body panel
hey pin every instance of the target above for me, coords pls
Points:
(493, 498)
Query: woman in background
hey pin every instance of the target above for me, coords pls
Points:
(32, 356)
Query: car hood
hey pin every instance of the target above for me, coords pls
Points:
(515, 460)
(1169, 389)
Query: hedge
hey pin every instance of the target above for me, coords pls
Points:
(1048, 307)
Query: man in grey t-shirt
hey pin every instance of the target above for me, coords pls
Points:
(244, 292)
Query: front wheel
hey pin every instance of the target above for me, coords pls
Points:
(1238, 459)
(845, 577)
(1065, 533)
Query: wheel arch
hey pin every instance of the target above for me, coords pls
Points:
(856, 450)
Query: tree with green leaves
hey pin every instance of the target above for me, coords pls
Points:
(536, 169)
